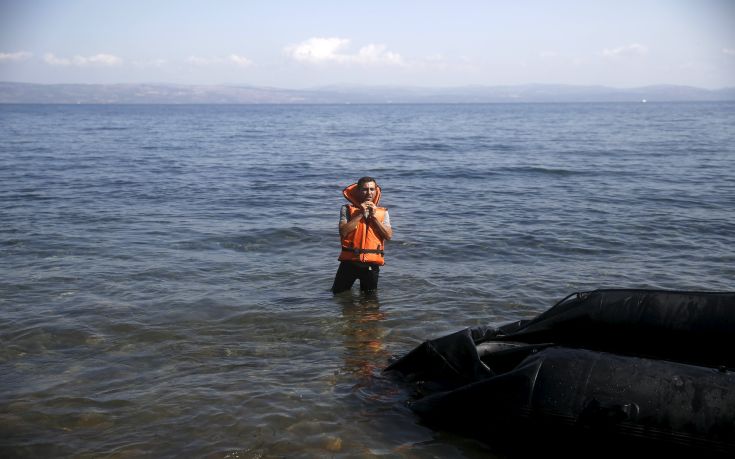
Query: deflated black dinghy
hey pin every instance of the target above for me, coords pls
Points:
(629, 371)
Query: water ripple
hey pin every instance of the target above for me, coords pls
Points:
(166, 289)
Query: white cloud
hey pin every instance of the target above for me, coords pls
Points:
(729, 51)
(319, 49)
(233, 59)
(634, 49)
(18, 56)
(241, 61)
(377, 54)
(50, 59)
(104, 60)
(100, 59)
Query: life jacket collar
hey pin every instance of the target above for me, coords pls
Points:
(352, 194)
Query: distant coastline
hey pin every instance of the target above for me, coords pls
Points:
(162, 93)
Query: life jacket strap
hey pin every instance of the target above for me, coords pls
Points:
(357, 251)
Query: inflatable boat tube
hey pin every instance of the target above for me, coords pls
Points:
(613, 370)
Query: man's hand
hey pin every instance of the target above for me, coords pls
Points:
(368, 208)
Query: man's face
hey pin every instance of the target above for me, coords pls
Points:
(367, 191)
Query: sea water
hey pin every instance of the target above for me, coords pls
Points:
(166, 269)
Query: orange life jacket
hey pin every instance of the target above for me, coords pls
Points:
(365, 244)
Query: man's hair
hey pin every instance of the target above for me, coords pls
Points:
(364, 180)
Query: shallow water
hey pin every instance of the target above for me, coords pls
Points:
(166, 269)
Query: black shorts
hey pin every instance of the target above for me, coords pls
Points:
(348, 272)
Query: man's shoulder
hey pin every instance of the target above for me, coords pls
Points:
(344, 212)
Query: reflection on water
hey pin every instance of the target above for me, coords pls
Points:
(365, 353)
(386, 426)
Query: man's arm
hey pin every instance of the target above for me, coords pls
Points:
(384, 230)
(349, 226)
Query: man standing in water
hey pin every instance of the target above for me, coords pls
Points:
(363, 227)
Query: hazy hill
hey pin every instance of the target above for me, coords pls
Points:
(231, 94)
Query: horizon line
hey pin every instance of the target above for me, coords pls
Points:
(360, 85)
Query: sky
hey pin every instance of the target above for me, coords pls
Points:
(314, 43)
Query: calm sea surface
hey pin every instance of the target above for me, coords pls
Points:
(165, 270)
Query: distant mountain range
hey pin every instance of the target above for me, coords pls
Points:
(24, 93)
